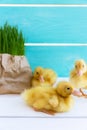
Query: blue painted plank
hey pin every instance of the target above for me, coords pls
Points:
(59, 58)
(48, 25)
(44, 1)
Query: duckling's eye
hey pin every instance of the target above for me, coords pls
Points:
(68, 88)
(37, 73)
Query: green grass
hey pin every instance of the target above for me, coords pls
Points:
(11, 40)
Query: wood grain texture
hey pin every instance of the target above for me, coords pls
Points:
(59, 58)
(44, 1)
(48, 25)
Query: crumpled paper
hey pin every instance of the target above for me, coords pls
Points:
(15, 74)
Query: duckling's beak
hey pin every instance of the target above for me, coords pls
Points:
(79, 73)
(41, 78)
(76, 93)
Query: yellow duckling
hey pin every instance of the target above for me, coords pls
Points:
(43, 77)
(78, 76)
(50, 100)
(37, 78)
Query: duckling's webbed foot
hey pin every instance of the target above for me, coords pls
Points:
(83, 94)
(49, 112)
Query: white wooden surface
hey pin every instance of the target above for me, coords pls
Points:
(15, 115)
(43, 124)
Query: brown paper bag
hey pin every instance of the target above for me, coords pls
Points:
(15, 74)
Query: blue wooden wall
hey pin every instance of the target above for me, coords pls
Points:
(59, 58)
(48, 25)
(44, 1)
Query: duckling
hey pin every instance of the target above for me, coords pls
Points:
(37, 78)
(50, 100)
(43, 77)
(78, 76)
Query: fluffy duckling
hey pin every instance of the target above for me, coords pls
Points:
(78, 76)
(50, 100)
(37, 78)
(43, 77)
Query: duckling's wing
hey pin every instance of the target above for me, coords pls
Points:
(50, 76)
(53, 101)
